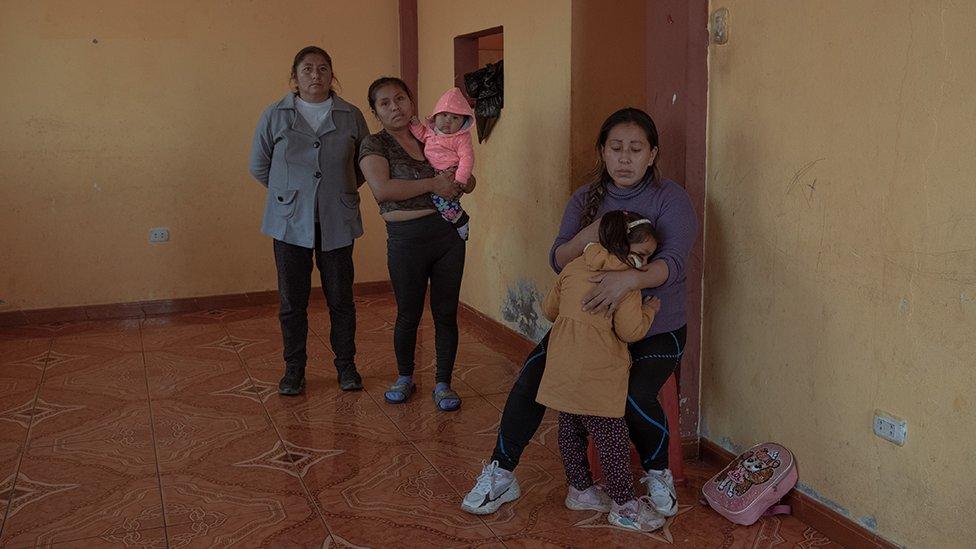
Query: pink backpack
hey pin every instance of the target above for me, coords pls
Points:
(752, 484)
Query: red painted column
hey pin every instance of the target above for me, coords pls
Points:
(677, 83)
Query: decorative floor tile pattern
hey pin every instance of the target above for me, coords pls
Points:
(169, 432)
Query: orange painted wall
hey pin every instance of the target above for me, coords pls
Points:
(840, 272)
(523, 168)
(120, 116)
(608, 72)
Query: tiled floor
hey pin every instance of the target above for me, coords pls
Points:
(169, 432)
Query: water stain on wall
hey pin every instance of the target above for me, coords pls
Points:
(809, 491)
(522, 307)
(870, 522)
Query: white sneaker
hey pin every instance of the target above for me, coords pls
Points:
(593, 498)
(660, 490)
(494, 487)
(637, 514)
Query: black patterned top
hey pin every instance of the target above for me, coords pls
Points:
(402, 166)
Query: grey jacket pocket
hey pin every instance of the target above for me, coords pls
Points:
(349, 200)
(284, 202)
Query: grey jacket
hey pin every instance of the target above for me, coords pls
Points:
(310, 175)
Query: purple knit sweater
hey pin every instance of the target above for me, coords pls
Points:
(668, 207)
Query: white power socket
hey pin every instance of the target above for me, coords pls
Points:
(890, 427)
(159, 234)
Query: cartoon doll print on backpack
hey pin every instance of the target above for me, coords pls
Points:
(752, 484)
(750, 469)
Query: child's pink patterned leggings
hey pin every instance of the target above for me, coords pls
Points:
(612, 441)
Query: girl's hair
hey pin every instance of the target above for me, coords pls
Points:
(599, 177)
(312, 50)
(616, 237)
(385, 81)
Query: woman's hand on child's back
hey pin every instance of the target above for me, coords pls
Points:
(610, 290)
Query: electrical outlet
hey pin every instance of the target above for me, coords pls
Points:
(159, 234)
(890, 427)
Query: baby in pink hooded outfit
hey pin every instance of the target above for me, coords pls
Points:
(447, 143)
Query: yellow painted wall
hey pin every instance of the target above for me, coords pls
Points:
(151, 126)
(840, 266)
(523, 169)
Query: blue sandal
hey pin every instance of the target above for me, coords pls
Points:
(447, 394)
(401, 392)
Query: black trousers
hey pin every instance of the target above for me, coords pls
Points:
(336, 270)
(419, 251)
(654, 359)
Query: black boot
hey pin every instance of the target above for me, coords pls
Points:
(293, 382)
(350, 380)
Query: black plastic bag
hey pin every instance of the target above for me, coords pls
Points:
(485, 86)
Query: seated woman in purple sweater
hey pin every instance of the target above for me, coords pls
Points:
(625, 179)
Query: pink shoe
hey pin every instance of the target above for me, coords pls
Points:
(637, 514)
(591, 499)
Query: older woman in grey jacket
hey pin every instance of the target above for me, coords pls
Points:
(304, 152)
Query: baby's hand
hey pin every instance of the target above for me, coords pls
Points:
(414, 121)
(652, 303)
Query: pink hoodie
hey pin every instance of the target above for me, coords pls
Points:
(446, 150)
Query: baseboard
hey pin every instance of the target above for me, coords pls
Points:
(513, 344)
(373, 288)
(829, 522)
(690, 448)
(142, 309)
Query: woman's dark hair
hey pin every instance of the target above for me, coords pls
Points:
(599, 177)
(616, 237)
(385, 81)
(312, 50)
